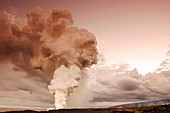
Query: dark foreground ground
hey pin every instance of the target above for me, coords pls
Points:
(141, 109)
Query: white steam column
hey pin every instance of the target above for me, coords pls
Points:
(63, 83)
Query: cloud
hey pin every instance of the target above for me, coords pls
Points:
(119, 84)
(19, 88)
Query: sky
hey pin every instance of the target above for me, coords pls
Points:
(132, 31)
(130, 34)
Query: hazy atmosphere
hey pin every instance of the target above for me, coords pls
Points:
(83, 53)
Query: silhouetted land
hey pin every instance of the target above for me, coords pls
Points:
(137, 109)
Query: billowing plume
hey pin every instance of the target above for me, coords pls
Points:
(63, 84)
(47, 40)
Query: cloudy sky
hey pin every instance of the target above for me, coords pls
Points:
(130, 34)
(133, 31)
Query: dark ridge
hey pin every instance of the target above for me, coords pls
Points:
(92, 110)
(158, 102)
(142, 109)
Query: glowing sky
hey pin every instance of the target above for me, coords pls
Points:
(133, 31)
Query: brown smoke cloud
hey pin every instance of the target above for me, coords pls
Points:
(47, 40)
(40, 44)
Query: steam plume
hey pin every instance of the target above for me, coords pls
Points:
(46, 40)
(63, 84)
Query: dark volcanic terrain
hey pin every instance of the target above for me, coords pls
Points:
(137, 109)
